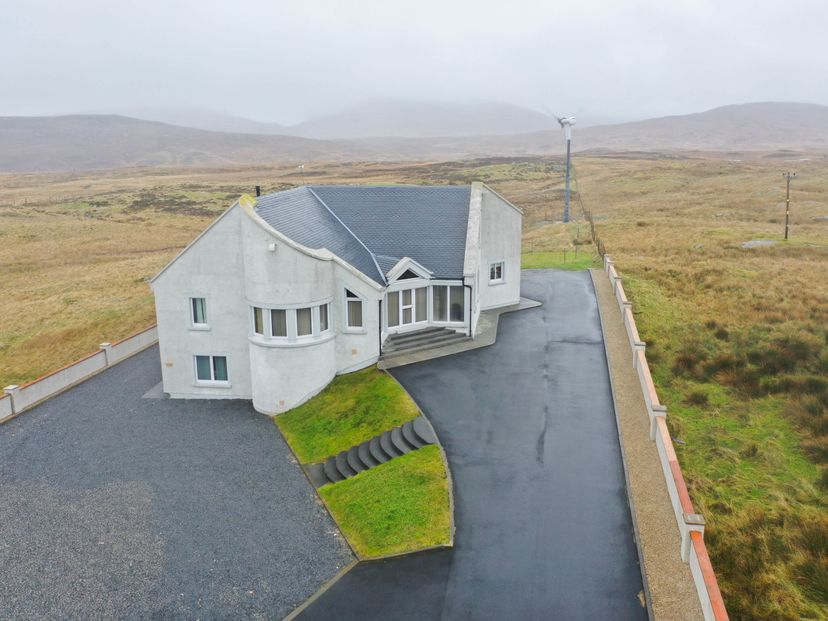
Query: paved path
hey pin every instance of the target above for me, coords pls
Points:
(113, 506)
(543, 526)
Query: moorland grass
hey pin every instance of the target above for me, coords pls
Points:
(397, 507)
(560, 260)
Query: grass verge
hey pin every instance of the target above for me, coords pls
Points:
(398, 507)
(559, 260)
(352, 409)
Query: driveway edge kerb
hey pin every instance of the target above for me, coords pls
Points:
(636, 535)
(321, 590)
(315, 491)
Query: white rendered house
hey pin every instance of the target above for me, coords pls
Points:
(285, 291)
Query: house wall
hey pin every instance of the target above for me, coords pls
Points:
(233, 267)
(500, 240)
(212, 267)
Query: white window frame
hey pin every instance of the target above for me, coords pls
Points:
(191, 312)
(493, 266)
(211, 382)
(292, 337)
(448, 320)
(345, 315)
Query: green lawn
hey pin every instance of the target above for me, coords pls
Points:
(583, 260)
(352, 409)
(400, 506)
(397, 507)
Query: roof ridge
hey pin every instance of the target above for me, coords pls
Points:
(354, 235)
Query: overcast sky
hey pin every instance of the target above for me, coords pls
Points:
(287, 61)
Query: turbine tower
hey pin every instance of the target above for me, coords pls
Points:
(566, 123)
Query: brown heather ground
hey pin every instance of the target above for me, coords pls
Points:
(736, 338)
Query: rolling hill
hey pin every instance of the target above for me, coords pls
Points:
(106, 141)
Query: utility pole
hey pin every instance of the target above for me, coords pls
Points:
(788, 176)
(566, 123)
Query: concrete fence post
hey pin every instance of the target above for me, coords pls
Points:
(107, 350)
(692, 522)
(13, 391)
(658, 411)
(637, 347)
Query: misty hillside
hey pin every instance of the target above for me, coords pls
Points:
(99, 141)
(424, 120)
(384, 118)
(749, 127)
(104, 141)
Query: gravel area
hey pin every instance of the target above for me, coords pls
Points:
(671, 585)
(114, 506)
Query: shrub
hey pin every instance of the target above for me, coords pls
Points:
(697, 397)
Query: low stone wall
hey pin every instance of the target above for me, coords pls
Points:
(690, 524)
(18, 399)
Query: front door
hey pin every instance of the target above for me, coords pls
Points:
(407, 307)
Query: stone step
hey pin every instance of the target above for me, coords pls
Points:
(407, 336)
(354, 461)
(342, 465)
(395, 442)
(331, 471)
(424, 430)
(428, 339)
(409, 350)
(376, 450)
(365, 455)
(399, 442)
(411, 436)
(388, 446)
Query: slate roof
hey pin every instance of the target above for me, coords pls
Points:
(373, 227)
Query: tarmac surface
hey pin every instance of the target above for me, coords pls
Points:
(543, 524)
(116, 506)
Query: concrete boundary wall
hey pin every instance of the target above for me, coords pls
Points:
(690, 524)
(18, 399)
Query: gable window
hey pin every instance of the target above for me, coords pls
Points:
(211, 368)
(353, 310)
(496, 273)
(258, 320)
(304, 322)
(278, 322)
(198, 307)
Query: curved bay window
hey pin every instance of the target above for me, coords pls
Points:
(276, 325)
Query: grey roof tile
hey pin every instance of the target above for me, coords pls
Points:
(370, 226)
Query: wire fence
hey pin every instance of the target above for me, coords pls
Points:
(599, 244)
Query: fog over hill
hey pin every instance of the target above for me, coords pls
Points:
(106, 141)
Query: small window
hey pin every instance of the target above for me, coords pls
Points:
(496, 272)
(199, 308)
(353, 309)
(258, 320)
(211, 368)
(304, 322)
(278, 322)
(323, 318)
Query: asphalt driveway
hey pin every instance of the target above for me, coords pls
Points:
(543, 525)
(115, 506)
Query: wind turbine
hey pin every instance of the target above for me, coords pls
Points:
(566, 124)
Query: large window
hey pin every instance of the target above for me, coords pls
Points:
(496, 273)
(448, 303)
(211, 368)
(290, 323)
(353, 310)
(198, 307)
